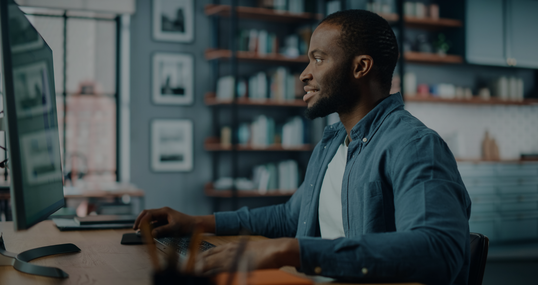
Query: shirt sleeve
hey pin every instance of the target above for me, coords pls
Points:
(431, 241)
(271, 221)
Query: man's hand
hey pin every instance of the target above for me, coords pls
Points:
(173, 222)
(273, 253)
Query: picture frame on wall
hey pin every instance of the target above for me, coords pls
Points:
(173, 78)
(171, 145)
(173, 20)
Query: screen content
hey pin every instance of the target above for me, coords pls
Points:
(37, 122)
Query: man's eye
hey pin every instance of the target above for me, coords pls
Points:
(318, 60)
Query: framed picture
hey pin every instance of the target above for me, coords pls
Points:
(173, 78)
(173, 20)
(171, 145)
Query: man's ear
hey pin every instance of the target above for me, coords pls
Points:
(362, 65)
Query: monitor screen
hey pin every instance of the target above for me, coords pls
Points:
(31, 120)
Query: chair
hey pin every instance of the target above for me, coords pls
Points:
(479, 254)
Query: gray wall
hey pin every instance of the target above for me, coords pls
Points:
(182, 191)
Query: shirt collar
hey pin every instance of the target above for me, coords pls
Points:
(365, 129)
(367, 126)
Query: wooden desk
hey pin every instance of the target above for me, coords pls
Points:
(102, 260)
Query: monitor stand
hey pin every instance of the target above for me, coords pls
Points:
(20, 261)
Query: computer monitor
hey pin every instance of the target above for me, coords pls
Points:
(31, 126)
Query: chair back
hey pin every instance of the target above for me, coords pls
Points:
(479, 254)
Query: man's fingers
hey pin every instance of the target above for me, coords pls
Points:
(150, 216)
(163, 231)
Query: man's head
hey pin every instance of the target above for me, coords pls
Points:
(350, 51)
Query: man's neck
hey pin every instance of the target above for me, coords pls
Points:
(363, 107)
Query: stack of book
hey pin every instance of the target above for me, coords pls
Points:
(277, 84)
(263, 132)
(283, 176)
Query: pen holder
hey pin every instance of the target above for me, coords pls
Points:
(174, 277)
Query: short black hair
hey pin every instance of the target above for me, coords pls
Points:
(366, 33)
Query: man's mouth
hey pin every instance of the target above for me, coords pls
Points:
(309, 94)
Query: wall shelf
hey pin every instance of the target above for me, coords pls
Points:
(210, 191)
(263, 14)
(213, 144)
(423, 23)
(210, 99)
(213, 54)
(422, 57)
(475, 101)
(428, 23)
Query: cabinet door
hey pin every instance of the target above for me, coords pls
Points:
(522, 32)
(484, 37)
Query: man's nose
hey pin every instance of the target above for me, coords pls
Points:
(306, 75)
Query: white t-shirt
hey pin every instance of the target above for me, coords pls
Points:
(330, 197)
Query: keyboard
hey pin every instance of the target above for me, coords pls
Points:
(181, 244)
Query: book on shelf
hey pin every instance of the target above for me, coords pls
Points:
(263, 132)
(283, 176)
(265, 43)
(292, 6)
(277, 84)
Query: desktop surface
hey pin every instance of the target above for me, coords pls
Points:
(102, 260)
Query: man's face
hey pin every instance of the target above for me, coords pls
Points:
(328, 76)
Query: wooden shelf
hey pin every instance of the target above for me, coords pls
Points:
(422, 57)
(212, 54)
(423, 23)
(474, 100)
(260, 14)
(213, 144)
(210, 99)
(426, 23)
(211, 192)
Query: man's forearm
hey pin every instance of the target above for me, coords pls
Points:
(289, 255)
(206, 222)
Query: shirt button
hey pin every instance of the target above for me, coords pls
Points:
(325, 147)
(304, 223)
(365, 271)
(312, 185)
(317, 270)
(364, 140)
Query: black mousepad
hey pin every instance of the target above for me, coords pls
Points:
(131, 238)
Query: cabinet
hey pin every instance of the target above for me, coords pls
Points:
(237, 160)
(502, 32)
(505, 199)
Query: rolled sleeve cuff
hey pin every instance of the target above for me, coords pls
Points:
(318, 257)
(226, 223)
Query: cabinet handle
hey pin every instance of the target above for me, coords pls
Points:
(514, 62)
(509, 61)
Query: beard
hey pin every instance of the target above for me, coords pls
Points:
(339, 95)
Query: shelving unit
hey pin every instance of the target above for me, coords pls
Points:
(213, 144)
(229, 54)
(432, 58)
(260, 14)
(210, 191)
(225, 54)
(474, 101)
(210, 99)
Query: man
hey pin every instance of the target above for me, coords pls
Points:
(381, 190)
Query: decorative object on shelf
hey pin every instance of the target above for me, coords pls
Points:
(410, 83)
(442, 45)
(434, 11)
(420, 10)
(484, 93)
(173, 78)
(423, 44)
(171, 145)
(508, 88)
(226, 137)
(490, 149)
(173, 20)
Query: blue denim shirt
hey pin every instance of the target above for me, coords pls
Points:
(405, 208)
